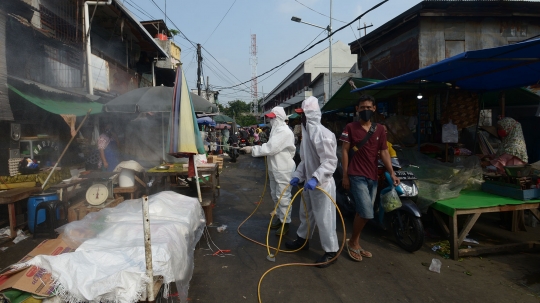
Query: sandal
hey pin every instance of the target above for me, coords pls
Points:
(365, 253)
(358, 252)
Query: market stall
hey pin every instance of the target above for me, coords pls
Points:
(473, 204)
(454, 95)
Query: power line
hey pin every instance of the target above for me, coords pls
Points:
(227, 69)
(318, 12)
(176, 26)
(362, 49)
(219, 22)
(317, 43)
(191, 42)
(140, 9)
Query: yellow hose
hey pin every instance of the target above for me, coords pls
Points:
(268, 247)
(305, 264)
(271, 219)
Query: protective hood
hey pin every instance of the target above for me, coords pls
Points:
(318, 147)
(312, 110)
(279, 120)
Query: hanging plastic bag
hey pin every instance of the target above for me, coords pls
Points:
(389, 195)
(449, 133)
(390, 199)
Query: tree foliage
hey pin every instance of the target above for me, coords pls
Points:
(240, 111)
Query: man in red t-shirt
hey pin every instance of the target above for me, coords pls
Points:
(360, 169)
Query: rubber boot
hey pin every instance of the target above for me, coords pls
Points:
(276, 224)
(327, 256)
(296, 244)
(285, 228)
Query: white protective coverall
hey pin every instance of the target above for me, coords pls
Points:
(319, 160)
(280, 151)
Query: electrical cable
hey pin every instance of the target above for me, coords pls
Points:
(363, 50)
(318, 12)
(140, 9)
(264, 98)
(219, 22)
(317, 43)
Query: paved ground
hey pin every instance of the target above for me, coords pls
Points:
(392, 275)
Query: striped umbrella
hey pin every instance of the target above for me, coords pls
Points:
(185, 139)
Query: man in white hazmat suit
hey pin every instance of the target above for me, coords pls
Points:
(280, 151)
(318, 163)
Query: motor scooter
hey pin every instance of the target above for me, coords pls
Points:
(242, 143)
(404, 221)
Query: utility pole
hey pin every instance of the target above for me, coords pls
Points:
(330, 54)
(208, 88)
(365, 27)
(199, 69)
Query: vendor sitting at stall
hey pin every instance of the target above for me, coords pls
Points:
(106, 156)
(512, 150)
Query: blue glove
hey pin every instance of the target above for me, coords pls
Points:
(311, 184)
(294, 181)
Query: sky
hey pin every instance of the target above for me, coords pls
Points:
(224, 29)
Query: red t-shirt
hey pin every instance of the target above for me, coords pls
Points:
(364, 161)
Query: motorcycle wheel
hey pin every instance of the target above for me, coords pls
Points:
(410, 237)
(233, 156)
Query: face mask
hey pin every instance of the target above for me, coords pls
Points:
(365, 114)
(272, 122)
(304, 121)
(502, 133)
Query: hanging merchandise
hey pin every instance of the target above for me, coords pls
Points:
(449, 133)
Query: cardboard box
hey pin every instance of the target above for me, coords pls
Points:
(34, 279)
(216, 159)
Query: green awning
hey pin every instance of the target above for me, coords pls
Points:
(343, 98)
(514, 97)
(223, 119)
(61, 107)
(293, 116)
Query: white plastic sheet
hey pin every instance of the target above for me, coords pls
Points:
(109, 264)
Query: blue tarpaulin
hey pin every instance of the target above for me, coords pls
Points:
(206, 121)
(492, 69)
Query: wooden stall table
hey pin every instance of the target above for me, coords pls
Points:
(12, 196)
(209, 188)
(79, 210)
(473, 204)
(62, 188)
(134, 191)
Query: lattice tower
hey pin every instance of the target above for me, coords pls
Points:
(253, 63)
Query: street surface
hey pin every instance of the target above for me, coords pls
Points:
(392, 275)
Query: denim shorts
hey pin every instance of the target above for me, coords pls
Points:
(364, 191)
